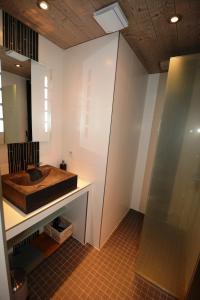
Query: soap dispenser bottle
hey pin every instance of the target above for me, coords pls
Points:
(63, 165)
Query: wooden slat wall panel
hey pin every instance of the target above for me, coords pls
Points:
(18, 37)
(21, 154)
(70, 22)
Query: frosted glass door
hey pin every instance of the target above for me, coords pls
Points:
(170, 242)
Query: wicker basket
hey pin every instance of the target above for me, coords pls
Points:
(59, 237)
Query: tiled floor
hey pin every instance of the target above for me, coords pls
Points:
(81, 272)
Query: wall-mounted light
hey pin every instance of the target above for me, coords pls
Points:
(43, 5)
(175, 19)
(46, 104)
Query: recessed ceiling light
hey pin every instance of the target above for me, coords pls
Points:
(18, 66)
(174, 19)
(43, 5)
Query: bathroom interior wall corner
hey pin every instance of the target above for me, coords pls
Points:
(150, 99)
(153, 139)
(52, 56)
(89, 75)
(128, 106)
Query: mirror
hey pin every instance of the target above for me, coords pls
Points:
(24, 100)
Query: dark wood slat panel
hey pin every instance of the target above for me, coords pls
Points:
(18, 160)
(12, 36)
(70, 22)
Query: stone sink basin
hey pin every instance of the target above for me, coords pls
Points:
(33, 189)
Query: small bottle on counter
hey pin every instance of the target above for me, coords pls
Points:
(63, 165)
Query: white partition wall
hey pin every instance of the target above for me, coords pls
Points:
(128, 106)
(140, 194)
(150, 102)
(88, 96)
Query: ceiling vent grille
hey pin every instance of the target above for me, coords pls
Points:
(111, 18)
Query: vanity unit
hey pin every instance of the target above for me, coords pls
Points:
(17, 222)
(20, 227)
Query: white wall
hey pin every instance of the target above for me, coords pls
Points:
(148, 141)
(128, 106)
(150, 101)
(88, 95)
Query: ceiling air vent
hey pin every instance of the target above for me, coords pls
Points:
(164, 65)
(111, 18)
(16, 55)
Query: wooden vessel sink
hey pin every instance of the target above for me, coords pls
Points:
(29, 192)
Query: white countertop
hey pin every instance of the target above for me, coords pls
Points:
(16, 221)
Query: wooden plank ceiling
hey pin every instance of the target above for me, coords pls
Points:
(70, 22)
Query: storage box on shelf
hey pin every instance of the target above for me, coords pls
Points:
(59, 236)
